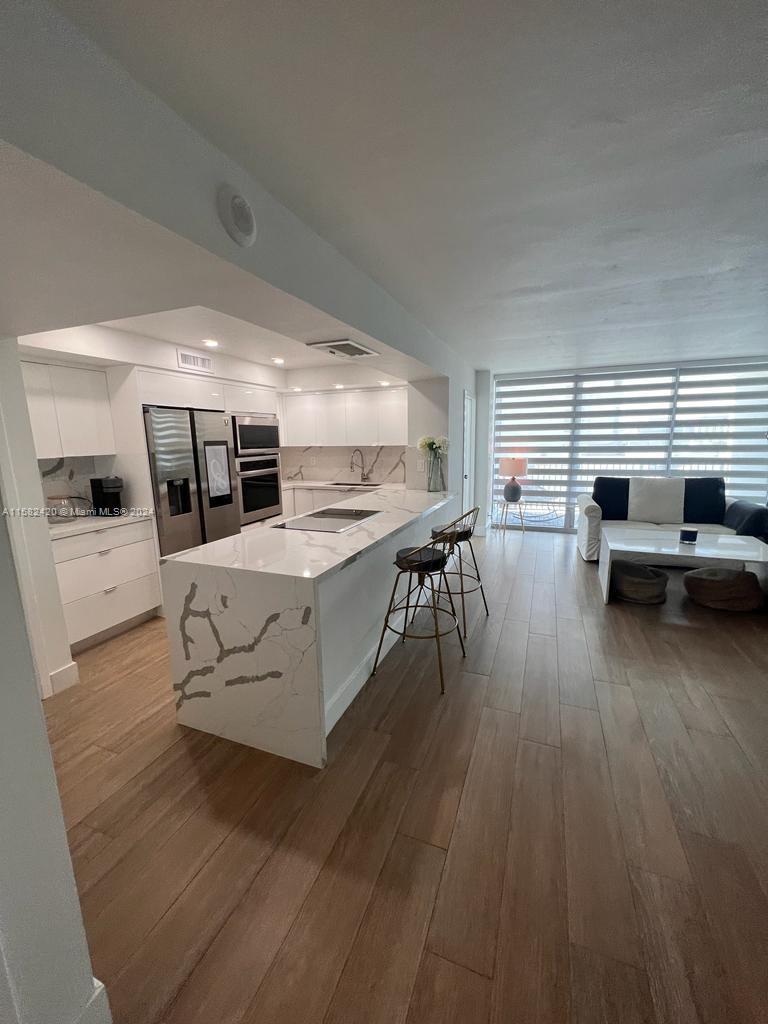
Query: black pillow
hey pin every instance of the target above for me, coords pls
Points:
(612, 495)
(748, 519)
(704, 499)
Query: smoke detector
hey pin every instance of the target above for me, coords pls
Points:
(343, 347)
(236, 214)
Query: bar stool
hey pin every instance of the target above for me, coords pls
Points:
(424, 563)
(468, 572)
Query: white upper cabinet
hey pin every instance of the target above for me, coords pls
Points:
(69, 410)
(364, 418)
(239, 398)
(300, 428)
(83, 412)
(393, 416)
(332, 420)
(42, 410)
(177, 390)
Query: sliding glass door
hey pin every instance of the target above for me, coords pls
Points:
(707, 420)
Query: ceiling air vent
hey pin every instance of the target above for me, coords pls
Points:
(344, 347)
(194, 361)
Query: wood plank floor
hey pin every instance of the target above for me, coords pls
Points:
(576, 832)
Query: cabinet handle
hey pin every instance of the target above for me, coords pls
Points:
(110, 589)
(106, 551)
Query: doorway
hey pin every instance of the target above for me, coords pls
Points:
(468, 464)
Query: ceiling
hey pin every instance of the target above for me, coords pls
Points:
(190, 327)
(543, 184)
(70, 257)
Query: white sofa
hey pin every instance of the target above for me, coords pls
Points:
(591, 522)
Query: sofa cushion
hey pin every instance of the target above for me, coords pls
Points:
(748, 519)
(612, 494)
(704, 499)
(656, 499)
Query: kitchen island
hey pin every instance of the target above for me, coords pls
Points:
(273, 632)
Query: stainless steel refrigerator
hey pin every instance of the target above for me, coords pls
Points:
(192, 462)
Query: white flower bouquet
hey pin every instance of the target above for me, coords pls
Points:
(434, 448)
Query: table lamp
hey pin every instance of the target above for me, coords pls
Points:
(512, 468)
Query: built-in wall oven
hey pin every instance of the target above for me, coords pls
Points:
(258, 486)
(256, 434)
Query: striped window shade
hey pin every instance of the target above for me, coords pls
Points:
(706, 420)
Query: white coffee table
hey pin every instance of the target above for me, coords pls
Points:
(663, 547)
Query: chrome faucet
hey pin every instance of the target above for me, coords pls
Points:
(361, 467)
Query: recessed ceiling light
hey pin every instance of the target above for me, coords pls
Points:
(338, 386)
(277, 360)
(210, 343)
(249, 392)
(295, 389)
(384, 383)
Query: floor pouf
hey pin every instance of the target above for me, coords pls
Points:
(641, 584)
(727, 589)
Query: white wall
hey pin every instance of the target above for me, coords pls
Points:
(61, 92)
(429, 414)
(483, 443)
(45, 969)
(29, 535)
(107, 343)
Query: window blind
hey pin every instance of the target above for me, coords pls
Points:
(708, 420)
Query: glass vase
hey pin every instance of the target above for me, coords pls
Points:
(434, 472)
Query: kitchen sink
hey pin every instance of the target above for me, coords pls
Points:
(337, 483)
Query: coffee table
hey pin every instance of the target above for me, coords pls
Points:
(663, 547)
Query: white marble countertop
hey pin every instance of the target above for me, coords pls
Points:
(336, 485)
(314, 555)
(90, 524)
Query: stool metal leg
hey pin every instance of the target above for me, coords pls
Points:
(474, 561)
(407, 602)
(461, 584)
(386, 622)
(453, 609)
(437, 634)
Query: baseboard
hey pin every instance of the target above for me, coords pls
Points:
(96, 1010)
(64, 677)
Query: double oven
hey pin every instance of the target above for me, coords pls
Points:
(257, 461)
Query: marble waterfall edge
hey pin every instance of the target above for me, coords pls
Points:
(245, 658)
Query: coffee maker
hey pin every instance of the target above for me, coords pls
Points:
(105, 492)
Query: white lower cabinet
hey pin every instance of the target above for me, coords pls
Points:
(91, 615)
(289, 502)
(106, 577)
(303, 501)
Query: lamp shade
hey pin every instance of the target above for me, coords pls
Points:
(513, 467)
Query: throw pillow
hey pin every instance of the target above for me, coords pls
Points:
(748, 519)
(612, 494)
(656, 499)
(704, 499)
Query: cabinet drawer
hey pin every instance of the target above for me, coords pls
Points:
(90, 615)
(89, 543)
(92, 574)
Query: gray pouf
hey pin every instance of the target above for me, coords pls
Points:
(638, 583)
(726, 589)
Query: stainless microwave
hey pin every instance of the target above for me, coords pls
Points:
(256, 435)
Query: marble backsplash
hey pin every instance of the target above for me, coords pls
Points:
(71, 477)
(384, 464)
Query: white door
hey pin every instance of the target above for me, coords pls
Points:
(468, 471)
(42, 410)
(82, 407)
